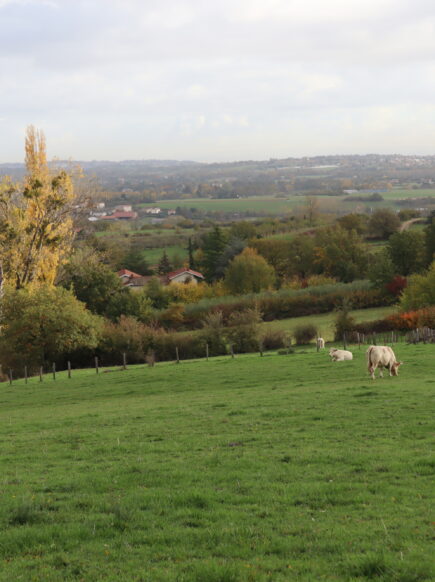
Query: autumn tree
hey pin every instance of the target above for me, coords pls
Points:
(36, 219)
(164, 265)
(383, 223)
(407, 251)
(341, 253)
(249, 273)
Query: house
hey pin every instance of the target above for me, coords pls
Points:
(184, 276)
(153, 210)
(123, 208)
(117, 215)
(127, 275)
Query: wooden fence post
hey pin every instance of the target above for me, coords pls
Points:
(260, 345)
(344, 341)
(232, 350)
(206, 352)
(96, 365)
(177, 355)
(41, 372)
(124, 361)
(54, 371)
(69, 369)
(25, 374)
(10, 376)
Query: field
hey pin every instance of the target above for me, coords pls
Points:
(232, 470)
(269, 205)
(325, 322)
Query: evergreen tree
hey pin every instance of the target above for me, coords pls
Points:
(213, 248)
(164, 264)
(190, 251)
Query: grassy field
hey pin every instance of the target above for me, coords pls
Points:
(233, 470)
(325, 322)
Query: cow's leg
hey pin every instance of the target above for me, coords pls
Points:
(381, 373)
(372, 372)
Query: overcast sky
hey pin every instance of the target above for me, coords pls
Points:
(217, 80)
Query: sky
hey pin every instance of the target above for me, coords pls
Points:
(217, 80)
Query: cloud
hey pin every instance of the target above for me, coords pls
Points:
(224, 78)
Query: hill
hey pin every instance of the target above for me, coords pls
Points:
(247, 469)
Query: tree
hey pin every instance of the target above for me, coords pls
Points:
(136, 262)
(382, 270)
(249, 273)
(243, 330)
(429, 233)
(213, 247)
(383, 223)
(354, 221)
(44, 324)
(311, 209)
(341, 253)
(407, 251)
(234, 247)
(36, 219)
(190, 250)
(243, 230)
(164, 265)
(92, 282)
(420, 291)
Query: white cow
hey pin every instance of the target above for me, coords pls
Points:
(340, 355)
(382, 357)
(320, 343)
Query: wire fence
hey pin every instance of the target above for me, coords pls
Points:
(423, 335)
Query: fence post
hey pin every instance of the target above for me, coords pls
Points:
(206, 352)
(25, 374)
(124, 361)
(177, 355)
(260, 345)
(41, 372)
(54, 371)
(359, 340)
(96, 365)
(317, 345)
(10, 376)
(344, 340)
(232, 350)
(69, 369)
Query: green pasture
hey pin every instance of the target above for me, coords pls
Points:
(233, 470)
(266, 204)
(325, 322)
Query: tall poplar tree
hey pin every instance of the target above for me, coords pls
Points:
(36, 224)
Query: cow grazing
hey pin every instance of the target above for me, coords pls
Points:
(382, 357)
(320, 343)
(340, 355)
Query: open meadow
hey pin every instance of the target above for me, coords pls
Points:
(286, 467)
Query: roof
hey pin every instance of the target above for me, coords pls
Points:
(173, 274)
(119, 214)
(127, 273)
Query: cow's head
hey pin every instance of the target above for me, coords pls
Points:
(395, 368)
(332, 350)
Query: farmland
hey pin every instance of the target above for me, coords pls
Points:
(325, 322)
(247, 469)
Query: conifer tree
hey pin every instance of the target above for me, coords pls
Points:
(164, 264)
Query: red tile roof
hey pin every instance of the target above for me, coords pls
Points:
(127, 273)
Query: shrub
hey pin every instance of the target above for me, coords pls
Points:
(303, 334)
(272, 339)
(213, 333)
(243, 330)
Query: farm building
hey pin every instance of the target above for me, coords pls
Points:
(136, 282)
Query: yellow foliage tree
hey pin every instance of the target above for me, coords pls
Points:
(36, 219)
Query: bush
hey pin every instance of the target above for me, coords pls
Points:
(273, 339)
(243, 331)
(213, 333)
(303, 334)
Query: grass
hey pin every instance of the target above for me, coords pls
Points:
(253, 469)
(325, 322)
